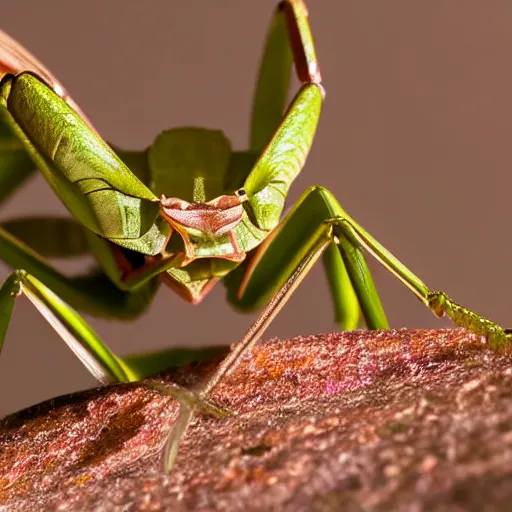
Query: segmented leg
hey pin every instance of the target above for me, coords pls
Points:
(340, 231)
(94, 294)
(288, 40)
(70, 326)
(57, 296)
(99, 360)
(282, 136)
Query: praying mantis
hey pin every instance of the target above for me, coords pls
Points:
(186, 213)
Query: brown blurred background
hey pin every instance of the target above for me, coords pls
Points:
(414, 141)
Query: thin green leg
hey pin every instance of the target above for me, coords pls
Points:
(346, 305)
(288, 40)
(81, 338)
(271, 269)
(70, 326)
(94, 294)
(339, 230)
(437, 301)
(350, 280)
(277, 272)
(50, 237)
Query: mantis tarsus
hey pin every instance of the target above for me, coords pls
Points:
(147, 222)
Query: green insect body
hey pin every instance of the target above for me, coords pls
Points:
(186, 212)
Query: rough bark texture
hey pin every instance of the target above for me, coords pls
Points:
(391, 420)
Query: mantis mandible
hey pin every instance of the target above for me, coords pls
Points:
(186, 213)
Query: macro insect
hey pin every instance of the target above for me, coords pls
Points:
(186, 213)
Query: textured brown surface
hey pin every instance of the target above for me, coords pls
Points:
(392, 420)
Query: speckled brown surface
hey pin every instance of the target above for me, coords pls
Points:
(391, 420)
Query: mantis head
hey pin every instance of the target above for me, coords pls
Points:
(207, 226)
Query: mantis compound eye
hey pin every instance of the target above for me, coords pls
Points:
(241, 194)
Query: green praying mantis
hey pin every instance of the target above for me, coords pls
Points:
(187, 212)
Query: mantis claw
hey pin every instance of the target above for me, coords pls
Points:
(190, 403)
(189, 398)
